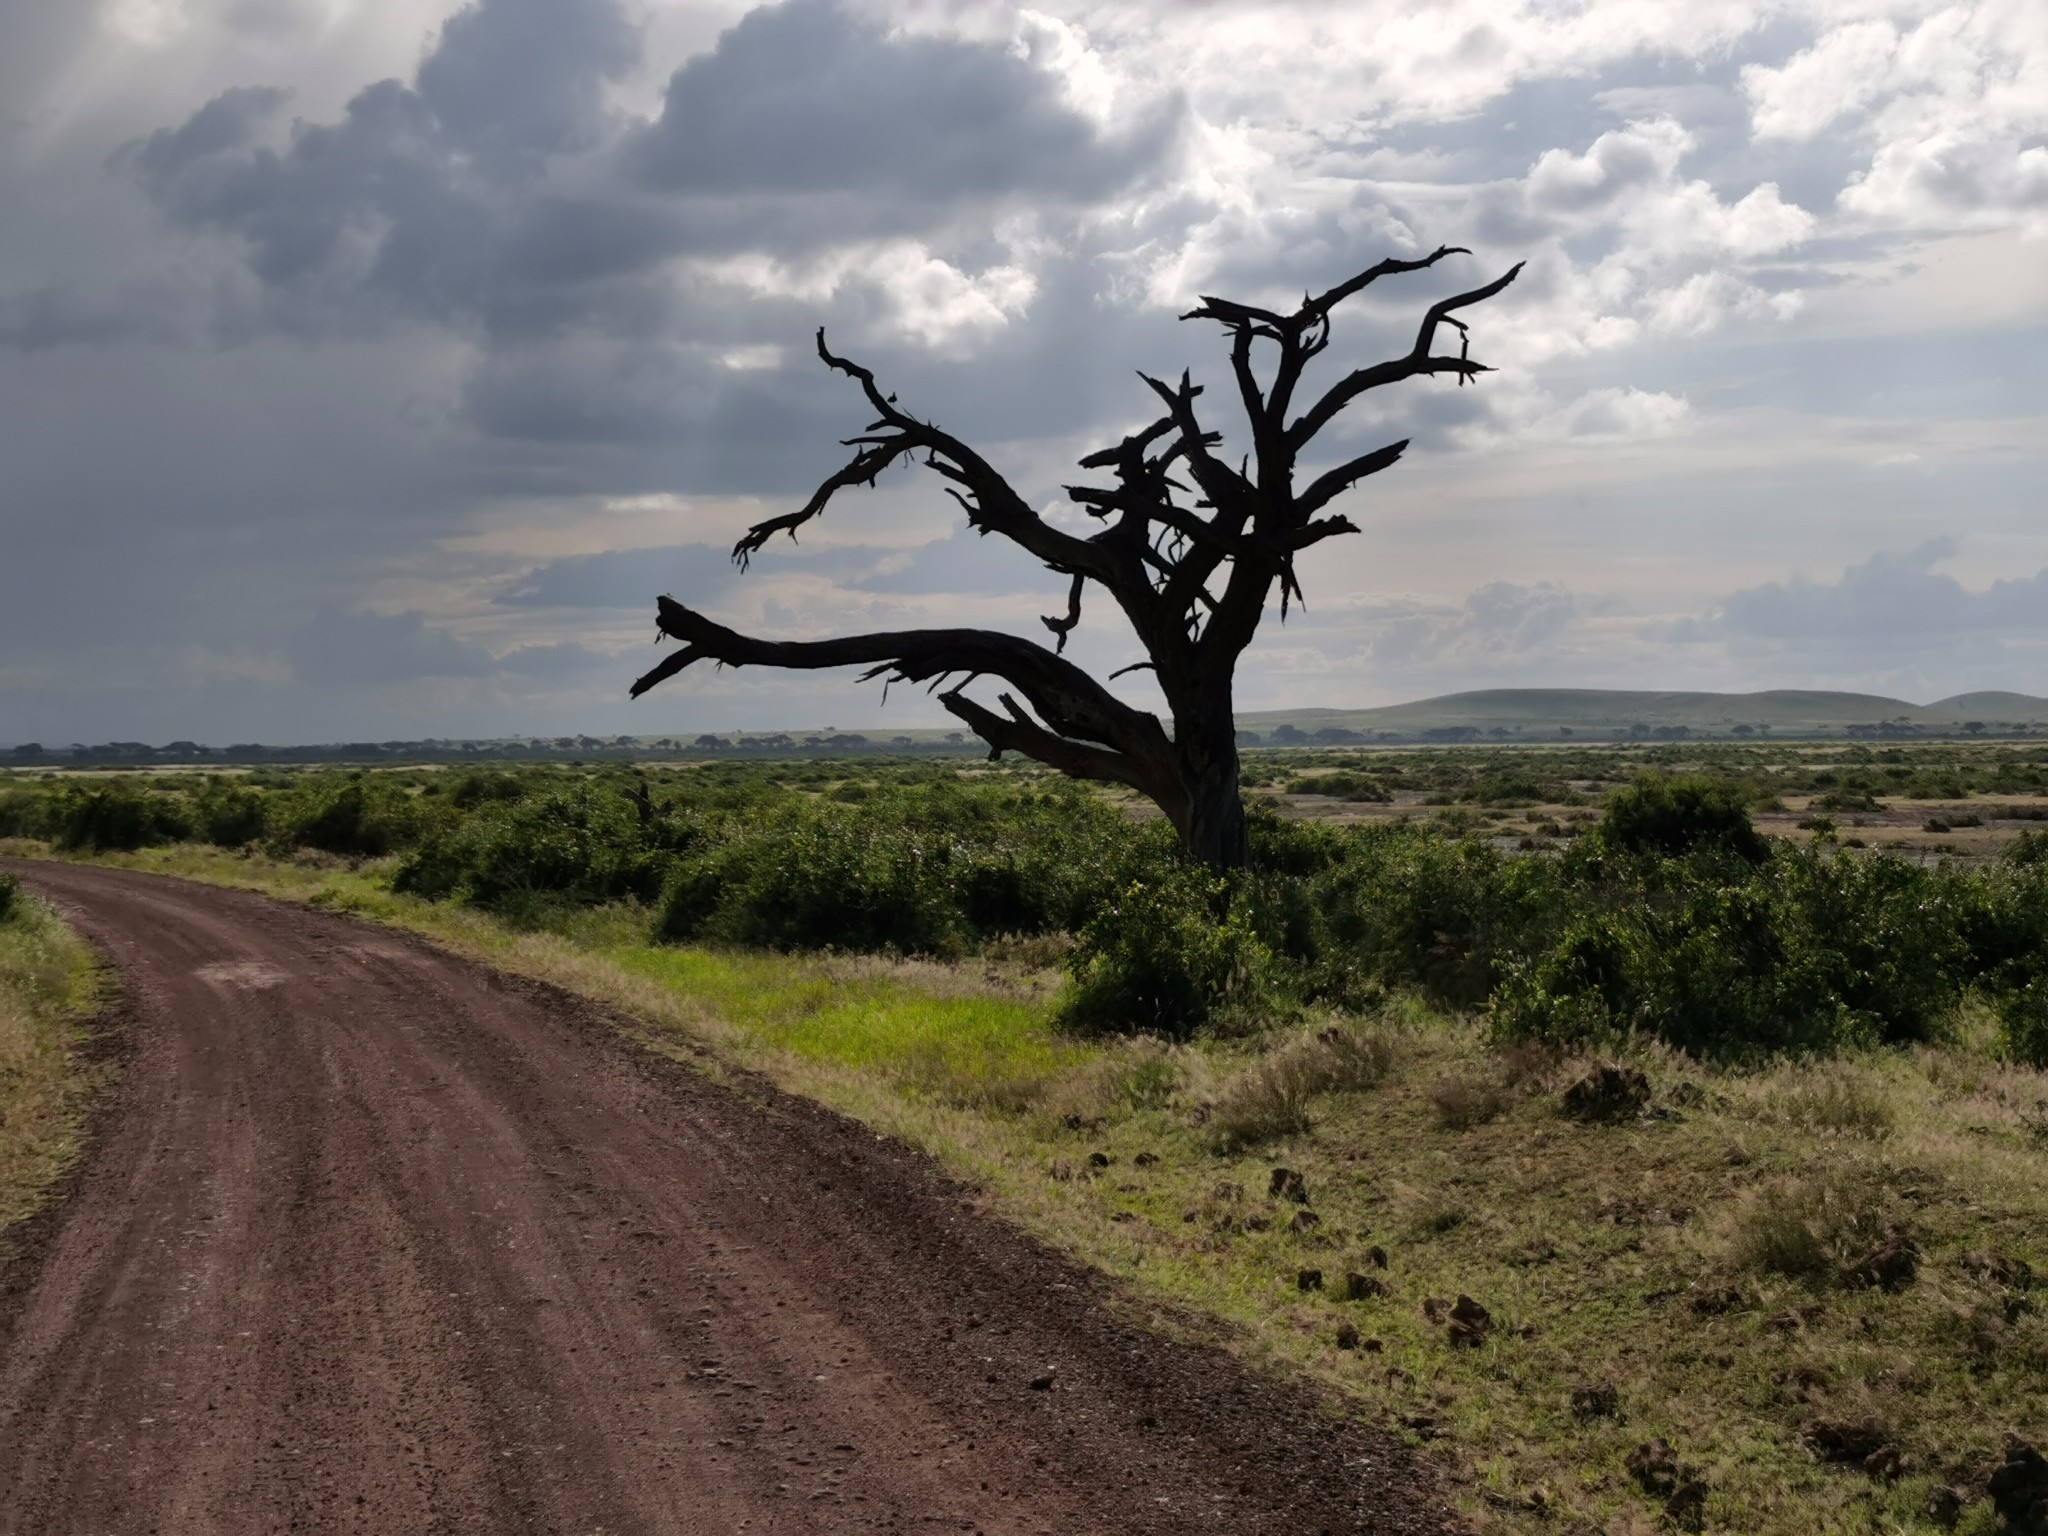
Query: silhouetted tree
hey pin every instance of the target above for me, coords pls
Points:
(1192, 566)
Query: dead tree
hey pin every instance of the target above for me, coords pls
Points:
(1192, 565)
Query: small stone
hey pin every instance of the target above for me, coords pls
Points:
(1042, 1382)
(1376, 1257)
(1435, 1308)
(2013, 1274)
(1258, 1223)
(1854, 1440)
(1891, 1265)
(1146, 1159)
(2019, 1489)
(1309, 1280)
(1660, 1474)
(1286, 1184)
(1347, 1336)
(1372, 1346)
(1608, 1093)
(1596, 1400)
(1713, 1303)
(1469, 1323)
(1944, 1505)
(1098, 1159)
(1363, 1287)
(1304, 1221)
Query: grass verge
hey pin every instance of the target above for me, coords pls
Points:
(49, 989)
(1614, 1297)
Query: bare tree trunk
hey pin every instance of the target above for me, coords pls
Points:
(1209, 812)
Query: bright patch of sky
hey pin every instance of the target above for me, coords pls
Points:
(366, 370)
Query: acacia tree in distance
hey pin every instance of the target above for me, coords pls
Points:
(1191, 566)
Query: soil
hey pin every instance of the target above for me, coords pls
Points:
(371, 1238)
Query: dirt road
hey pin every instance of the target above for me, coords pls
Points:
(373, 1239)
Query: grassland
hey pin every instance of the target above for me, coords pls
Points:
(1806, 1287)
(48, 992)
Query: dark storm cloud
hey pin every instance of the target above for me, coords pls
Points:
(805, 98)
(804, 125)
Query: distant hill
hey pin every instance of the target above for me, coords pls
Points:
(1607, 713)
(1491, 714)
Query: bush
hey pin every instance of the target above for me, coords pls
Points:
(24, 813)
(1690, 813)
(1806, 952)
(229, 815)
(1164, 958)
(2023, 1023)
(932, 869)
(581, 844)
(361, 816)
(113, 818)
(1339, 786)
(10, 895)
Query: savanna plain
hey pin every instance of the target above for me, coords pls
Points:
(1655, 1136)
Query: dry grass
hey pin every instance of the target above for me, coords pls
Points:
(1270, 1098)
(48, 986)
(1686, 1274)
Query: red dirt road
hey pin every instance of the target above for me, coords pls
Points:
(373, 1239)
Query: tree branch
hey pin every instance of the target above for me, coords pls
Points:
(1418, 361)
(1327, 487)
(1017, 734)
(1070, 701)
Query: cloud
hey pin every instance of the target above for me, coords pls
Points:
(807, 98)
(340, 648)
(1887, 600)
(1947, 108)
(1500, 620)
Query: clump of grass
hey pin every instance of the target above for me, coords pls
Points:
(1270, 1099)
(1809, 1228)
(1135, 1075)
(1263, 1103)
(1463, 1100)
(1839, 1100)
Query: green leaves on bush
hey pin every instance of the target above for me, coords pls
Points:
(1669, 815)
(1808, 951)
(1164, 957)
(95, 818)
(363, 816)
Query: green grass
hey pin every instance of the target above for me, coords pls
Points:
(1700, 1259)
(48, 989)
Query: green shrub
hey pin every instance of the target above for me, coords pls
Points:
(362, 816)
(1808, 951)
(579, 844)
(2023, 1023)
(24, 813)
(1164, 957)
(10, 895)
(113, 818)
(229, 815)
(1339, 786)
(1666, 816)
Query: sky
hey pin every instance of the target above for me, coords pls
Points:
(367, 369)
